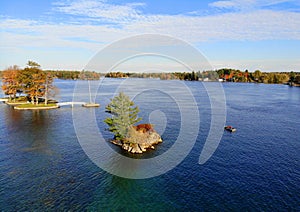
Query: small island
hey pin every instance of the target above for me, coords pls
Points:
(33, 86)
(134, 139)
(36, 107)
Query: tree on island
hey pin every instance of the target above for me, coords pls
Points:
(33, 64)
(134, 139)
(257, 75)
(292, 76)
(10, 83)
(124, 115)
(50, 89)
(31, 80)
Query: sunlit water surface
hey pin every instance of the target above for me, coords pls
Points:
(43, 167)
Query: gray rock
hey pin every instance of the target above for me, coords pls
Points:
(141, 141)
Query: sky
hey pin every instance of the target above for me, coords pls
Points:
(67, 34)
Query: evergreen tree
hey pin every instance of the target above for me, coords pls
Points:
(124, 115)
(257, 75)
(292, 76)
(33, 64)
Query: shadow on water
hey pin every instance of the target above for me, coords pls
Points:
(28, 130)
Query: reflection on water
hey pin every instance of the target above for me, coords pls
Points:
(31, 129)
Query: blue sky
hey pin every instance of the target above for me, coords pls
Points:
(66, 34)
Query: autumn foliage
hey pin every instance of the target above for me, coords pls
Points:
(10, 82)
(144, 128)
(30, 80)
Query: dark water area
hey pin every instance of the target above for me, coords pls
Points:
(43, 166)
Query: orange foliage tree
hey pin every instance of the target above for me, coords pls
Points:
(10, 83)
(31, 80)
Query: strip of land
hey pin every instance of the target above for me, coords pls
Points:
(36, 107)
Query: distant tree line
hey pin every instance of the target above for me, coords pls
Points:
(74, 75)
(234, 75)
(225, 74)
(190, 76)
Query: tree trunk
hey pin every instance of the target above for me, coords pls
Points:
(46, 96)
(46, 92)
(36, 100)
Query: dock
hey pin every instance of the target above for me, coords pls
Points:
(91, 105)
(83, 104)
(3, 99)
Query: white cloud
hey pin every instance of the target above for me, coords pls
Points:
(251, 25)
(247, 4)
(101, 10)
(114, 22)
(258, 25)
(224, 4)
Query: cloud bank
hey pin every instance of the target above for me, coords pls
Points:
(92, 24)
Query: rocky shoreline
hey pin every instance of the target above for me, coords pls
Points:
(139, 140)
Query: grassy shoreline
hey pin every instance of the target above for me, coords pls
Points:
(30, 106)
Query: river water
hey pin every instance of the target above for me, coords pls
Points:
(43, 165)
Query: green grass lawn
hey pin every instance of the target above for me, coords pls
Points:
(29, 105)
(18, 99)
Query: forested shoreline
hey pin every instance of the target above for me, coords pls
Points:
(74, 75)
(225, 75)
(64, 74)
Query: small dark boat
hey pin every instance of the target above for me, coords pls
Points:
(230, 128)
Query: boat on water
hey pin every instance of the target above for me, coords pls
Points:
(230, 128)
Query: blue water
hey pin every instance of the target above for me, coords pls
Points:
(43, 167)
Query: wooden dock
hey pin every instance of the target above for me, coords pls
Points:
(3, 99)
(83, 104)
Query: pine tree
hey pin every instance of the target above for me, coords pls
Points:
(124, 115)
